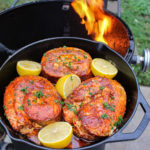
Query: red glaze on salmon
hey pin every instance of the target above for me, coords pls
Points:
(95, 108)
(29, 103)
(66, 60)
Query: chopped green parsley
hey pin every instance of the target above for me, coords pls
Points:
(35, 101)
(5, 107)
(90, 93)
(28, 101)
(39, 94)
(24, 90)
(101, 88)
(120, 120)
(72, 108)
(21, 107)
(81, 104)
(31, 81)
(71, 78)
(56, 101)
(104, 116)
(107, 106)
(69, 65)
(85, 56)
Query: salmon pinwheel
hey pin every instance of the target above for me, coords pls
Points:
(66, 60)
(95, 108)
(29, 103)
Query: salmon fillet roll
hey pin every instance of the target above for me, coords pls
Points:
(29, 103)
(95, 108)
(66, 60)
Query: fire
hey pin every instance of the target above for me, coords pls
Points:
(96, 21)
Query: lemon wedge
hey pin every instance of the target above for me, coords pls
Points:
(103, 68)
(66, 84)
(26, 67)
(56, 135)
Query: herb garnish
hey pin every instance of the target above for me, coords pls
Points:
(101, 88)
(69, 65)
(111, 126)
(39, 94)
(64, 63)
(81, 104)
(60, 102)
(21, 107)
(24, 90)
(104, 116)
(75, 57)
(35, 101)
(31, 81)
(112, 97)
(107, 106)
(56, 101)
(72, 108)
(71, 78)
(120, 120)
(90, 93)
(84, 84)
(28, 101)
(69, 105)
(5, 107)
(85, 56)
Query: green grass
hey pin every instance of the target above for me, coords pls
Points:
(136, 13)
(4, 4)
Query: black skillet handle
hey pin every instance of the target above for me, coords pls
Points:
(119, 136)
(4, 53)
(6, 146)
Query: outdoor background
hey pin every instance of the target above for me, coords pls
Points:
(136, 13)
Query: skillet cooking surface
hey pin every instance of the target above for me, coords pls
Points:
(35, 51)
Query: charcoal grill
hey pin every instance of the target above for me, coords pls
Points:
(27, 23)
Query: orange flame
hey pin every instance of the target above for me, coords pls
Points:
(91, 12)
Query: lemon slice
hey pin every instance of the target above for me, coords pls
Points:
(56, 135)
(103, 68)
(66, 84)
(26, 67)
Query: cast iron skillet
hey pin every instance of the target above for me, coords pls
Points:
(125, 76)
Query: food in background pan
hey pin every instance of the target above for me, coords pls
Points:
(66, 60)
